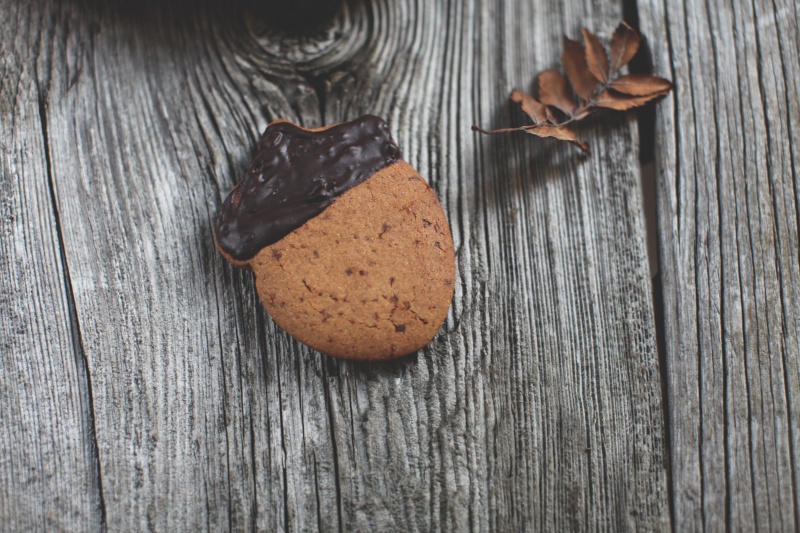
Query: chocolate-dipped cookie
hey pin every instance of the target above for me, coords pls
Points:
(351, 249)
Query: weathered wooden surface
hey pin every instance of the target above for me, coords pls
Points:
(144, 387)
(727, 161)
(48, 463)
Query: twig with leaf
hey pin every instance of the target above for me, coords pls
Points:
(596, 84)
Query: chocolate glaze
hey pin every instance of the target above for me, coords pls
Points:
(294, 176)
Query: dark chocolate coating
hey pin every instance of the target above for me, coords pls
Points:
(294, 176)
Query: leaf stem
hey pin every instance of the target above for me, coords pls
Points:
(494, 132)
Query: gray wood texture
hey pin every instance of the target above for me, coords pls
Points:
(144, 387)
(727, 165)
(48, 460)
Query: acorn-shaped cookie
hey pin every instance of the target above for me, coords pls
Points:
(350, 247)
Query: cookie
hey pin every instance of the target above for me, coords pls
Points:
(350, 247)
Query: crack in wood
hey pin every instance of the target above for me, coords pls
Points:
(81, 360)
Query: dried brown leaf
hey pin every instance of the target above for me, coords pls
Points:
(595, 83)
(584, 112)
(561, 133)
(640, 84)
(583, 146)
(624, 45)
(574, 58)
(531, 106)
(553, 90)
(621, 102)
(596, 57)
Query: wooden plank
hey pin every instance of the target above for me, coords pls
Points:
(538, 406)
(727, 161)
(48, 462)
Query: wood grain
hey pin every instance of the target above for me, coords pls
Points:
(49, 477)
(537, 407)
(727, 162)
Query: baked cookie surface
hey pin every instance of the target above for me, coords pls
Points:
(370, 277)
